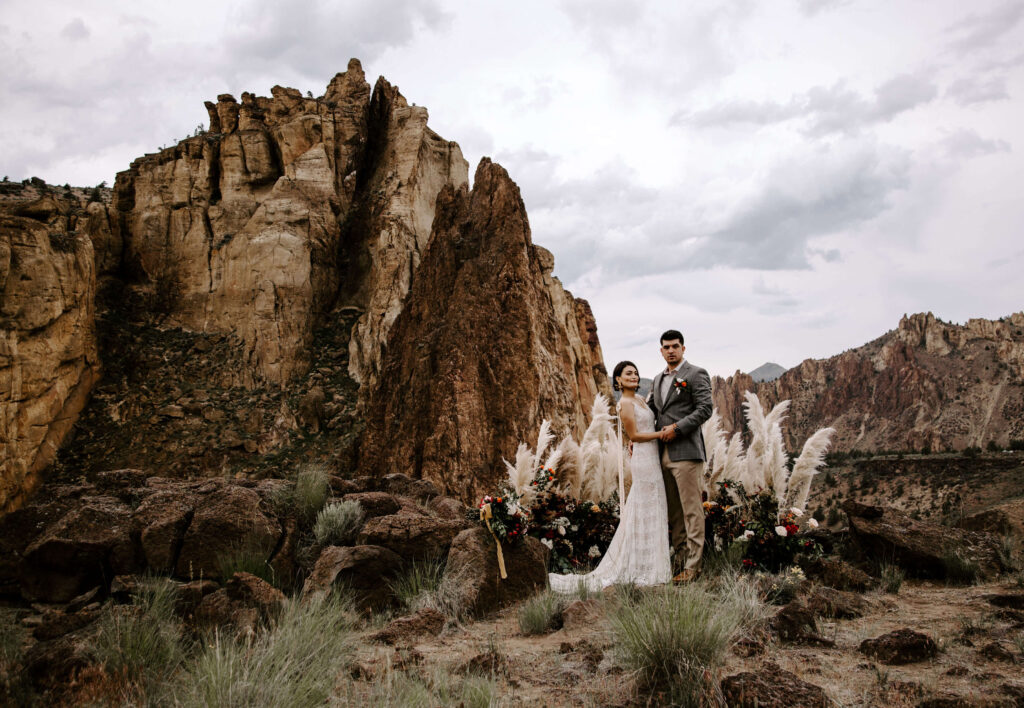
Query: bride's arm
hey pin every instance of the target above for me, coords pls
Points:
(628, 417)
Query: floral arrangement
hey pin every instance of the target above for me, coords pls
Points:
(772, 538)
(509, 521)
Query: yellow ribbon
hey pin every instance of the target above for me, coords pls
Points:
(486, 515)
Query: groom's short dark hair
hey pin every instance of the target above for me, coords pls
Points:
(672, 334)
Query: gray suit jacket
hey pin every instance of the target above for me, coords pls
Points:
(688, 405)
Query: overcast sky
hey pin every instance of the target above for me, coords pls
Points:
(778, 180)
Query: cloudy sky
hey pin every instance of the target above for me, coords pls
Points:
(779, 180)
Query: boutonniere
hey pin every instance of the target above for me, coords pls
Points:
(679, 385)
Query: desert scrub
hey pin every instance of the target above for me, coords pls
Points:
(293, 664)
(892, 578)
(246, 559)
(959, 570)
(14, 686)
(337, 524)
(142, 642)
(673, 639)
(438, 688)
(310, 493)
(418, 586)
(542, 613)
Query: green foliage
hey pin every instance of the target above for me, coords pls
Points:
(294, 664)
(246, 559)
(892, 578)
(338, 523)
(993, 446)
(142, 642)
(542, 613)
(1017, 444)
(674, 639)
(781, 588)
(958, 569)
(311, 491)
(972, 451)
(418, 586)
(818, 515)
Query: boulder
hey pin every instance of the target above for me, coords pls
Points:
(472, 571)
(375, 503)
(901, 646)
(795, 622)
(89, 544)
(364, 570)
(226, 521)
(244, 604)
(773, 687)
(829, 602)
(160, 522)
(922, 548)
(56, 623)
(838, 574)
(411, 537)
(426, 622)
(448, 508)
(405, 486)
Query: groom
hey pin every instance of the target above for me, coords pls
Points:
(681, 397)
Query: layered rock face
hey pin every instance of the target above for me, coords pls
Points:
(488, 346)
(927, 383)
(48, 357)
(256, 227)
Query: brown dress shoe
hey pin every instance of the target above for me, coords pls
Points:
(688, 575)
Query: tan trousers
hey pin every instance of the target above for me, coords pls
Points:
(685, 510)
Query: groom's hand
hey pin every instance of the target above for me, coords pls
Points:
(668, 432)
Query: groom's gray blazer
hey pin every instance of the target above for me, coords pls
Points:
(688, 405)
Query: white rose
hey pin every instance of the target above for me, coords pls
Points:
(594, 552)
(548, 542)
(781, 530)
(813, 523)
(561, 530)
(796, 512)
(748, 534)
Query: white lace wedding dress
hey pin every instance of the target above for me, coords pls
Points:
(638, 552)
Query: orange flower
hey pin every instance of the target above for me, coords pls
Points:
(499, 500)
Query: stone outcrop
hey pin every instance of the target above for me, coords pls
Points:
(48, 355)
(256, 227)
(488, 346)
(472, 571)
(923, 548)
(926, 384)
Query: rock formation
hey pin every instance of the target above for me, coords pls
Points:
(48, 357)
(245, 284)
(489, 345)
(255, 227)
(926, 384)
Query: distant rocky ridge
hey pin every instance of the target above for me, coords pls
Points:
(767, 372)
(269, 259)
(927, 384)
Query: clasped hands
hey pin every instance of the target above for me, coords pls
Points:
(667, 433)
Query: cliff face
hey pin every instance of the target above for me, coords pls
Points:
(48, 357)
(256, 228)
(489, 345)
(926, 383)
(246, 283)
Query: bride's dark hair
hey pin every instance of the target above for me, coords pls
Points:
(618, 371)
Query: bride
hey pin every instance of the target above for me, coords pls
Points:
(638, 552)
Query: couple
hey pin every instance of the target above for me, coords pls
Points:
(667, 465)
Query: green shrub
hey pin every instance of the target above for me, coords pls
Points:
(1017, 444)
(142, 642)
(674, 639)
(834, 516)
(246, 559)
(892, 578)
(294, 664)
(993, 446)
(959, 570)
(338, 523)
(311, 491)
(14, 686)
(418, 586)
(439, 688)
(542, 613)
(818, 515)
